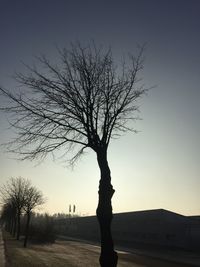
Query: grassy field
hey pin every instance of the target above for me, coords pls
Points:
(69, 254)
(59, 254)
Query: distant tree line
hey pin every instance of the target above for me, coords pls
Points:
(19, 198)
(42, 228)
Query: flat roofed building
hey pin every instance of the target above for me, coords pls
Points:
(157, 227)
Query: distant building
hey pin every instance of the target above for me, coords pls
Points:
(150, 227)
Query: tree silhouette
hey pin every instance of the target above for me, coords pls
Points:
(82, 103)
(13, 193)
(19, 196)
(8, 216)
(33, 199)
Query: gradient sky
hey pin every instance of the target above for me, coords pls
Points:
(158, 167)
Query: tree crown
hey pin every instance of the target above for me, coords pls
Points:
(85, 101)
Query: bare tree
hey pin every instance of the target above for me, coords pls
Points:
(8, 217)
(33, 199)
(14, 192)
(81, 104)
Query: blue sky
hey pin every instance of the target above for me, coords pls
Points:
(159, 166)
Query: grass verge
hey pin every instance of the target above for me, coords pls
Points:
(60, 254)
(69, 254)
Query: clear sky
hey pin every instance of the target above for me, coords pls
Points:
(158, 167)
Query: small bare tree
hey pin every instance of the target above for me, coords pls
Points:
(33, 199)
(80, 104)
(8, 217)
(14, 193)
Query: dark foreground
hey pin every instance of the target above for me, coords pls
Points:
(72, 254)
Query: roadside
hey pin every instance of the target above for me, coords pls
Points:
(186, 258)
(2, 252)
(71, 254)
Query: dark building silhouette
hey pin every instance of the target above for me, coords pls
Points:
(150, 227)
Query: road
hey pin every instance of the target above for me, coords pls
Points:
(126, 259)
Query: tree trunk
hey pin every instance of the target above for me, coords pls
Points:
(11, 225)
(108, 257)
(18, 225)
(14, 226)
(27, 229)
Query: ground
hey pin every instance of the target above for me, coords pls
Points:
(70, 254)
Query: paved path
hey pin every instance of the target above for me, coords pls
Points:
(159, 258)
(2, 255)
